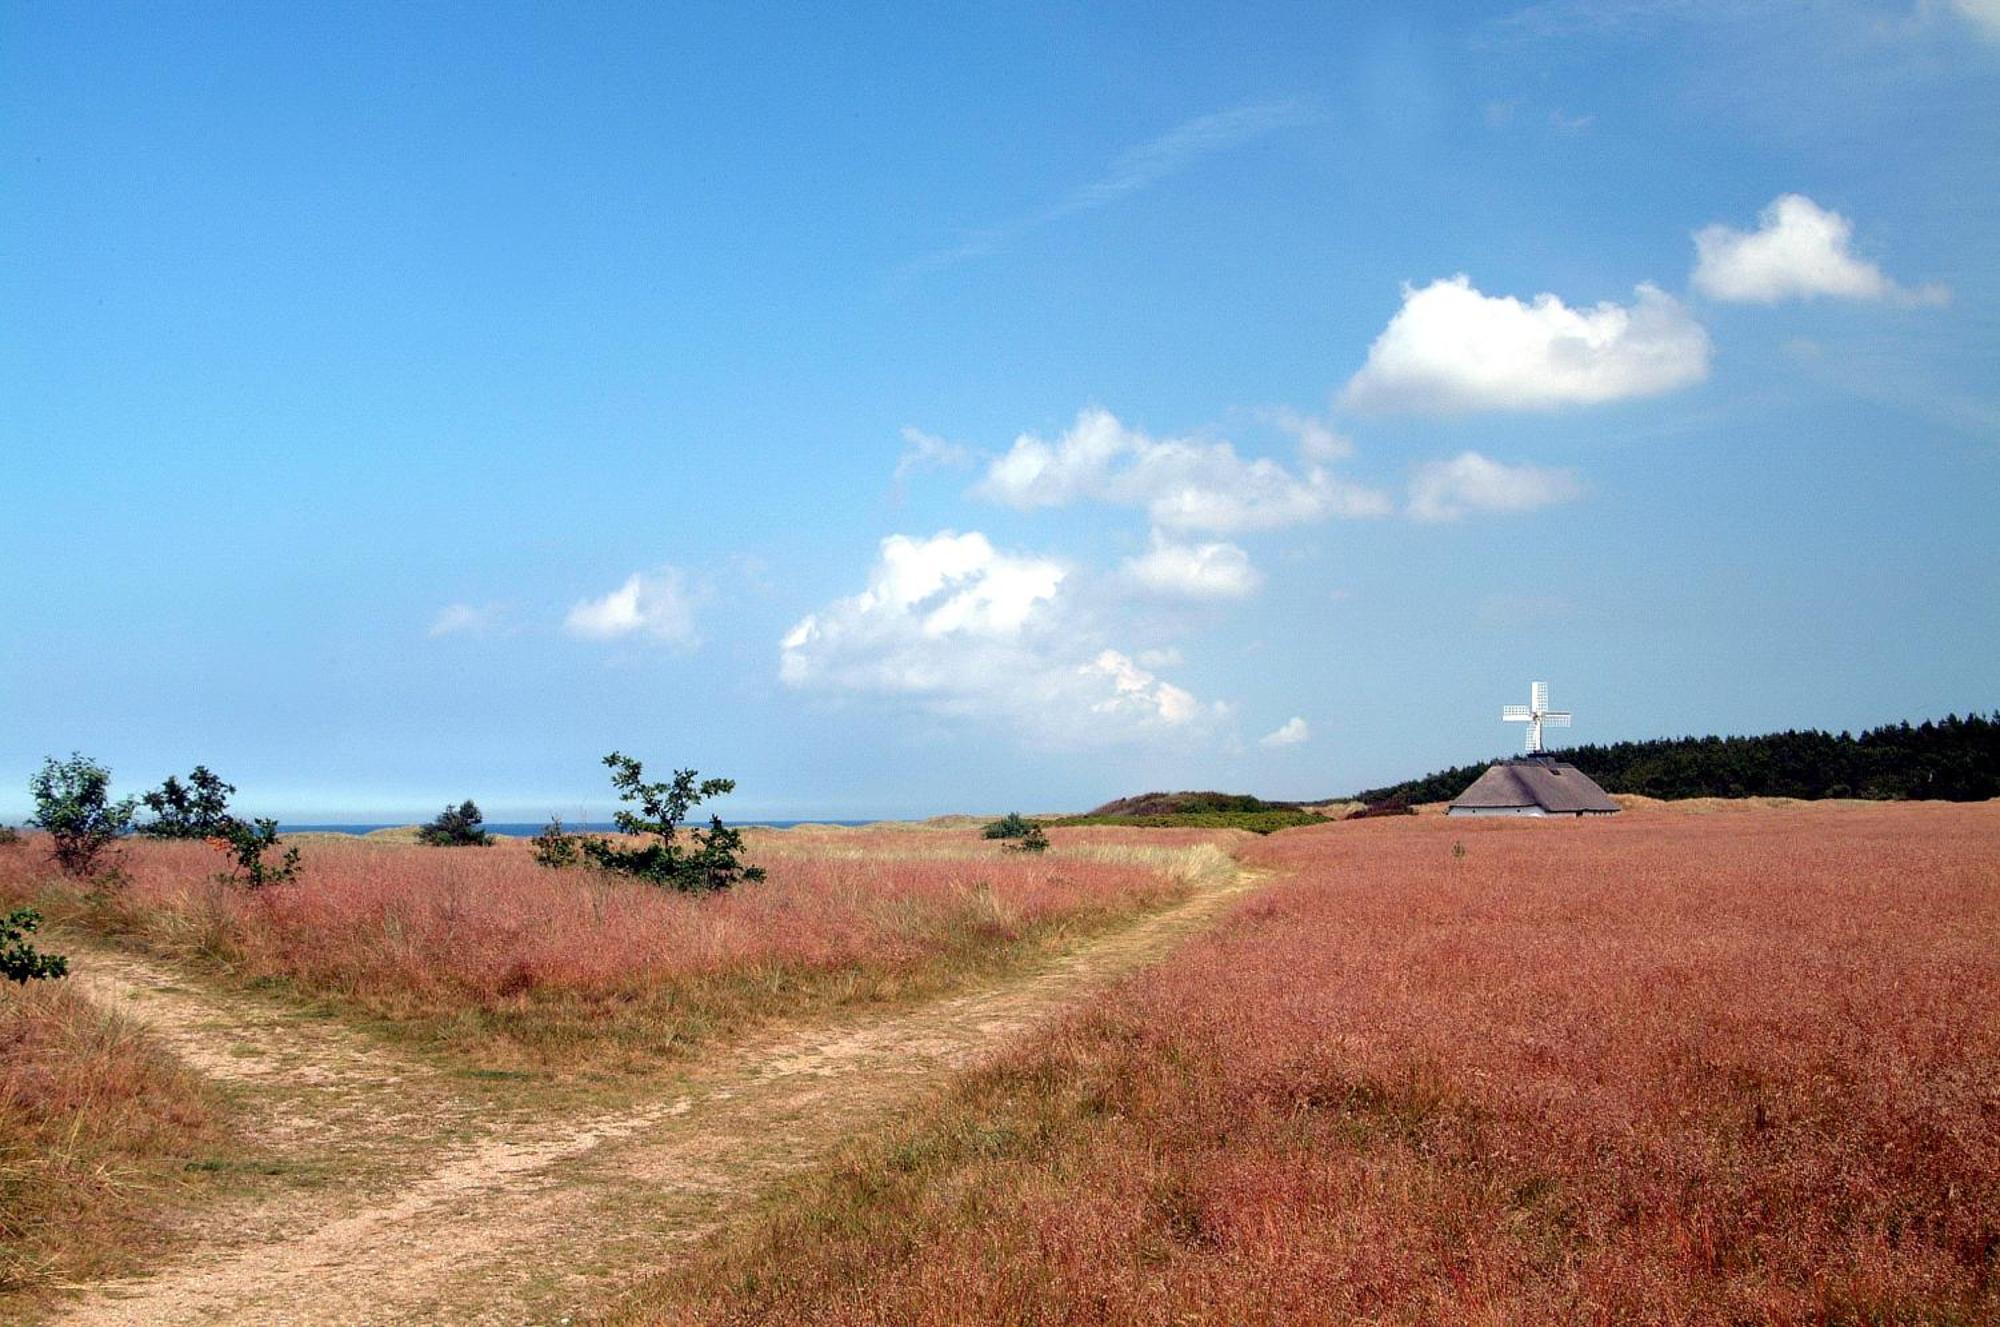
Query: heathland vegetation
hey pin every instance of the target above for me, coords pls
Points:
(1662, 1069)
(1194, 810)
(1951, 760)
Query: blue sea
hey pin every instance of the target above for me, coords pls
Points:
(530, 830)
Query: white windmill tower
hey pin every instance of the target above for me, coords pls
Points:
(1535, 714)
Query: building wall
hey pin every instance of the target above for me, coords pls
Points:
(1515, 811)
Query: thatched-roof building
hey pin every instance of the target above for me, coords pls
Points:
(1533, 786)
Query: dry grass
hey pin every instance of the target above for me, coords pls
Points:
(481, 952)
(1660, 1069)
(95, 1122)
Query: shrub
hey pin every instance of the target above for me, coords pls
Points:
(73, 803)
(198, 809)
(456, 827)
(1033, 841)
(21, 962)
(9, 837)
(1010, 826)
(557, 848)
(712, 864)
(246, 843)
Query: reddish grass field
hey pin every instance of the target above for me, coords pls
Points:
(94, 1120)
(482, 951)
(1667, 1068)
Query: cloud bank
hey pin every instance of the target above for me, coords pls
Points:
(1452, 349)
(1194, 571)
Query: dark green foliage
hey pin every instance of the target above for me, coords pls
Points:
(1033, 841)
(456, 827)
(713, 862)
(1394, 806)
(9, 837)
(198, 809)
(246, 844)
(73, 803)
(21, 962)
(1953, 760)
(1010, 826)
(1188, 803)
(557, 848)
(1257, 822)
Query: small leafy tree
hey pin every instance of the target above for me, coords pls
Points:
(1010, 826)
(557, 848)
(73, 803)
(198, 809)
(246, 842)
(712, 863)
(1034, 841)
(9, 837)
(21, 962)
(456, 827)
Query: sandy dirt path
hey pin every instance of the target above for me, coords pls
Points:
(479, 1218)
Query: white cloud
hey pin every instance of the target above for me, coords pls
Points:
(1318, 440)
(657, 605)
(1184, 484)
(926, 451)
(1451, 348)
(465, 620)
(1291, 733)
(964, 629)
(1798, 251)
(1195, 571)
(1469, 482)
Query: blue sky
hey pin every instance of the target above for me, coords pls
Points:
(931, 409)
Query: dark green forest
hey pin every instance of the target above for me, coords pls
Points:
(1953, 759)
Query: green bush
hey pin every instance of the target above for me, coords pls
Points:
(198, 809)
(9, 837)
(246, 843)
(21, 962)
(1033, 841)
(456, 827)
(1010, 826)
(713, 863)
(557, 848)
(73, 803)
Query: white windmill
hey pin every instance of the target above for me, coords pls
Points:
(1535, 714)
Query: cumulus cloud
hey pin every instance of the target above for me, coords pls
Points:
(1318, 441)
(1294, 731)
(964, 629)
(1799, 250)
(1469, 482)
(654, 605)
(1184, 484)
(1194, 571)
(1451, 348)
(465, 620)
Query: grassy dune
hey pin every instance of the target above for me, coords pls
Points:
(95, 1123)
(482, 953)
(1661, 1069)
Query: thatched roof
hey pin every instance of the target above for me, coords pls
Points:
(1549, 784)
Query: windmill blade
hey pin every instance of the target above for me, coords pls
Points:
(1556, 718)
(1538, 695)
(1516, 714)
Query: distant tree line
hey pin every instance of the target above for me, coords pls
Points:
(1953, 760)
